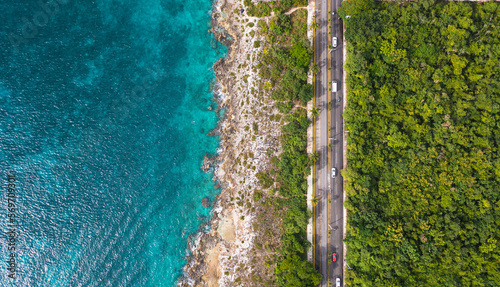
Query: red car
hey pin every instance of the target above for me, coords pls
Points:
(334, 257)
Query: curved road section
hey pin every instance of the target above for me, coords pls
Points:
(328, 213)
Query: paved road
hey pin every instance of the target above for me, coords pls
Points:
(327, 187)
(337, 130)
(322, 167)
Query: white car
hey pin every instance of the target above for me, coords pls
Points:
(334, 172)
(338, 282)
(334, 42)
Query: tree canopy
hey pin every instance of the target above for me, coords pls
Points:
(423, 172)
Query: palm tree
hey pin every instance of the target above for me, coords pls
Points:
(314, 201)
(315, 112)
(314, 25)
(314, 157)
(314, 68)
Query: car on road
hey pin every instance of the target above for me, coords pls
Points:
(334, 172)
(337, 282)
(338, 100)
(334, 42)
(334, 86)
(334, 257)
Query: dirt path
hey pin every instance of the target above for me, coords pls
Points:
(294, 9)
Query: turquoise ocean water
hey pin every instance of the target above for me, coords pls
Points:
(104, 111)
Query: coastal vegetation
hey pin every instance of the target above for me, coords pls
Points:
(423, 115)
(264, 8)
(283, 214)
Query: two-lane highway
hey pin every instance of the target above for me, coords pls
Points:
(337, 148)
(329, 211)
(322, 166)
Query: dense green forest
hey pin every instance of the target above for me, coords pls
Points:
(283, 68)
(423, 115)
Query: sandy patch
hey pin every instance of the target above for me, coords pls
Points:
(213, 272)
(226, 228)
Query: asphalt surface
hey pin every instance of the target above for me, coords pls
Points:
(329, 211)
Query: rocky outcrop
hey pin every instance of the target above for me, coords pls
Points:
(208, 162)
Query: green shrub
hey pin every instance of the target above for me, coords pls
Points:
(284, 108)
(257, 195)
(265, 180)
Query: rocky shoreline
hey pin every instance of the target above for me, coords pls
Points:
(222, 248)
